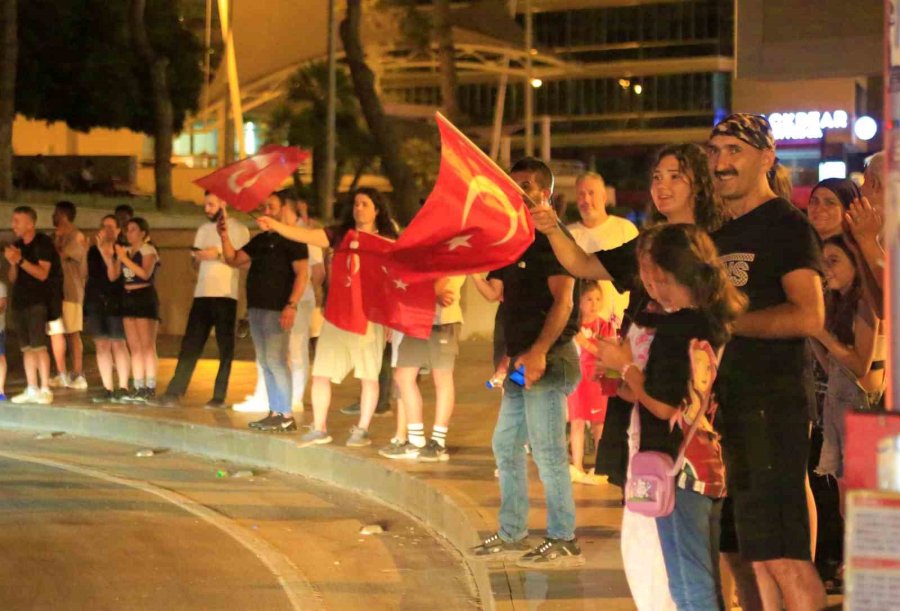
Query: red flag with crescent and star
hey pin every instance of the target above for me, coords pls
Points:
(344, 307)
(245, 184)
(474, 220)
(390, 296)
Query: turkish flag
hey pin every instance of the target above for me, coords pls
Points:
(474, 220)
(247, 183)
(344, 307)
(390, 296)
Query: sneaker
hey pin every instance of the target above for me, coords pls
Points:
(2, 396)
(167, 400)
(28, 396)
(582, 477)
(278, 424)
(553, 554)
(433, 452)
(264, 422)
(120, 395)
(314, 438)
(359, 438)
(495, 548)
(107, 396)
(44, 397)
(60, 380)
(351, 410)
(250, 405)
(399, 450)
(383, 410)
(77, 383)
(215, 404)
(149, 395)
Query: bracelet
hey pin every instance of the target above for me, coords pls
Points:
(626, 368)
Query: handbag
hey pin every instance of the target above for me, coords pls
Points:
(650, 485)
(650, 482)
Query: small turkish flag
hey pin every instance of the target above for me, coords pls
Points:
(344, 307)
(390, 296)
(247, 183)
(474, 220)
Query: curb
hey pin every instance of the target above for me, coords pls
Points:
(446, 515)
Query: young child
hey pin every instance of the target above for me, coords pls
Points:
(587, 403)
(680, 270)
(846, 348)
(4, 300)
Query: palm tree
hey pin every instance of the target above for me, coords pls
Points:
(9, 48)
(301, 122)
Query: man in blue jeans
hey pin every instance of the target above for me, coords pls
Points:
(539, 322)
(275, 284)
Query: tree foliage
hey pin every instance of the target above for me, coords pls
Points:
(78, 64)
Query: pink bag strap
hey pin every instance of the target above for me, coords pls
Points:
(634, 439)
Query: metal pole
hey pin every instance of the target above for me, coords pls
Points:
(545, 137)
(529, 90)
(497, 131)
(234, 87)
(330, 122)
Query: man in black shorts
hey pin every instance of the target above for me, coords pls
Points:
(29, 270)
(772, 254)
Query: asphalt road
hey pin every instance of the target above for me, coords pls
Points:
(87, 524)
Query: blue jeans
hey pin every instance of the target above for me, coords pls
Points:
(271, 344)
(685, 536)
(537, 416)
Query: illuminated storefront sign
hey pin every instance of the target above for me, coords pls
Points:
(806, 125)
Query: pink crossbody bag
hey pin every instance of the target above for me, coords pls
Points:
(650, 484)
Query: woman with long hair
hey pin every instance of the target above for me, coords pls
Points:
(339, 349)
(135, 266)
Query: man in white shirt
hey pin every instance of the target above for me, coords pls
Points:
(599, 230)
(214, 305)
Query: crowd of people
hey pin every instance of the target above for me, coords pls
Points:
(691, 351)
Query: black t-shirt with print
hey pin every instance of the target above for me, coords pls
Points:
(28, 290)
(527, 298)
(667, 375)
(758, 249)
(271, 276)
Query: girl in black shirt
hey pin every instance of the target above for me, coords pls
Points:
(680, 270)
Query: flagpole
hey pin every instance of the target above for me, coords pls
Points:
(484, 156)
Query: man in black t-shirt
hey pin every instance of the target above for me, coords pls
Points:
(275, 284)
(539, 322)
(764, 387)
(30, 260)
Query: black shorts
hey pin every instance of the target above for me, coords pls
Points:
(766, 444)
(140, 303)
(102, 326)
(31, 326)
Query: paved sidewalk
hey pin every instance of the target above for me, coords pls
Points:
(465, 483)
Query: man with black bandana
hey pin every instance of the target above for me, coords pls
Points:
(772, 254)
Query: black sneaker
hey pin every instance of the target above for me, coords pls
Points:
(107, 396)
(263, 422)
(134, 396)
(433, 452)
(495, 548)
(167, 400)
(120, 395)
(215, 404)
(278, 424)
(553, 554)
(351, 410)
(149, 395)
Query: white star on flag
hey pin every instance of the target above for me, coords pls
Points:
(459, 241)
(400, 284)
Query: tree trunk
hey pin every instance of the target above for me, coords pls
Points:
(405, 197)
(163, 115)
(9, 50)
(447, 59)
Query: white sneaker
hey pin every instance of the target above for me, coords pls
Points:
(78, 383)
(44, 397)
(29, 396)
(250, 405)
(59, 381)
